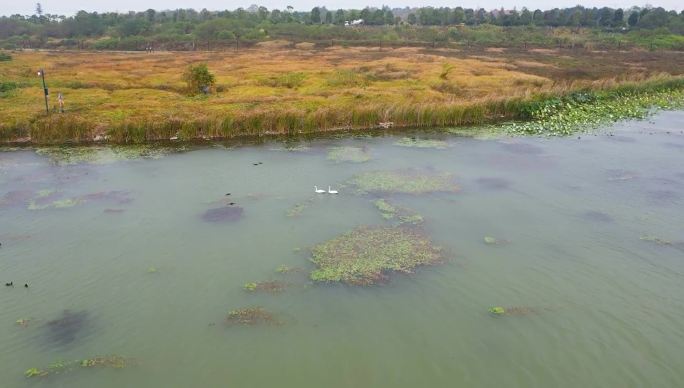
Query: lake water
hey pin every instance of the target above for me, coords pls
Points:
(592, 249)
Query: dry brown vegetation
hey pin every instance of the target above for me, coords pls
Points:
(136, 97)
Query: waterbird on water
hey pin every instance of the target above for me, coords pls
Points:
(331, 191)
(319, 191)
(10, 284)
(25, 285)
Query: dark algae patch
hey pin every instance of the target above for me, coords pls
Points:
(67, 327)
(410, 181)
(365, 255)
(223, 214)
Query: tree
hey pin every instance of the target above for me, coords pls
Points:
(633, 19)
(198, 79)
(412, 18)
(618, 18)
(316, 15)
(339, 16)
(39, 10)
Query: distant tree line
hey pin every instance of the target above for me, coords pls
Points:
(188, 28)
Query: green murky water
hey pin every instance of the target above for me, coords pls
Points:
(590, 245)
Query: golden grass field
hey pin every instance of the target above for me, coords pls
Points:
(128, 96)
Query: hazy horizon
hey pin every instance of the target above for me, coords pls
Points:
(70, 7)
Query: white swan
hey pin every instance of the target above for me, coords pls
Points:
(316, 189)
(331, 191)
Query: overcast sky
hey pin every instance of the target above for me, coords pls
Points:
(69, 7)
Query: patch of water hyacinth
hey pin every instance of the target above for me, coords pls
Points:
(349, 154)
(409, 181)
(585, 111)
(366, 255)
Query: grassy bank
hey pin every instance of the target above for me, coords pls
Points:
(136, 98)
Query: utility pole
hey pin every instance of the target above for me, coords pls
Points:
(41, 73)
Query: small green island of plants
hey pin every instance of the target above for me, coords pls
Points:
(365, 255)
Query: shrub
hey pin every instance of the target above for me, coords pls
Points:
(198, 79)
(4, 57)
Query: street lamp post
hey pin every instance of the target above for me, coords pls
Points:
(41, 73)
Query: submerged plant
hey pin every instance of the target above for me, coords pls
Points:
(422, 143)
(297, 209)
(404, 181)
(249, 316)
(349, 154)
(364, 255)
(59, 367)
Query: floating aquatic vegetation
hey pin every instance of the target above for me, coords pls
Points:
(388, 211)
(65, 329)
(585, 111)
(656, 240)
(493, 183)
(60, 367)
(23, 322)
(293, 148)
(497, 310)
(402, 214)
(105, 154)
(250, 316)
(364, 255)
(271, 286)
(223, 214)
(512, 311)
(422, 143)
(349, 154)
(597, 216)
(151, 270)
(489, 240)
(287, 269)
(480, 132)
(404, 181)
(297, 209)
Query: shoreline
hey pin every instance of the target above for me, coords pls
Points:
(509, 114)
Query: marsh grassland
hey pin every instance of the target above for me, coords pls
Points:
(137, 97)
